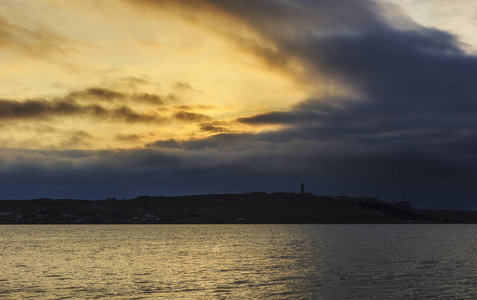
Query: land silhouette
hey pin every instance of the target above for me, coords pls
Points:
(251, 208)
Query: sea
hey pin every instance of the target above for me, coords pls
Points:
(238, 261)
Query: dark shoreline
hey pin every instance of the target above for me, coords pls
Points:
(249, 208)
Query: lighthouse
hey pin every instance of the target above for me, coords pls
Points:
(302, 188)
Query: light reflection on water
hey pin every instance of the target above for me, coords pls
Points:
(238, 261)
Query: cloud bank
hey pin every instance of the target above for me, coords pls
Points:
(402, 126)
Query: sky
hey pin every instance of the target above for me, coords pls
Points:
(122, 98)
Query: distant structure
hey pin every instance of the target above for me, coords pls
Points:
(302, 188)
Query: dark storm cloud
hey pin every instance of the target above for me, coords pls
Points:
(129, 172)
(390, 151)
(275, 118)
(413, 126)
(244, 163)
(223, 142)
(411, 132)
(415, 73)
(417, 86)
(41, 109)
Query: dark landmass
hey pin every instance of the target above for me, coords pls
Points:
(252, 208)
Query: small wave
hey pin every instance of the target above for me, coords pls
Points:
(191, 290)
(241, 282)
(224, 291)
(142, 274)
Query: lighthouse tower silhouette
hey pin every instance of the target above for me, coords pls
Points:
(302, 188)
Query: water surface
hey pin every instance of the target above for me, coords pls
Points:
(238, 261)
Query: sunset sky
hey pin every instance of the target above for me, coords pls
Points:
(121, 98)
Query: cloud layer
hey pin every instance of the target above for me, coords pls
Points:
(389, 112)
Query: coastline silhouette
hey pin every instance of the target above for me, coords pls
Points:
(253, 208)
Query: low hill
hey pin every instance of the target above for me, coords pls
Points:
(251, 208)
